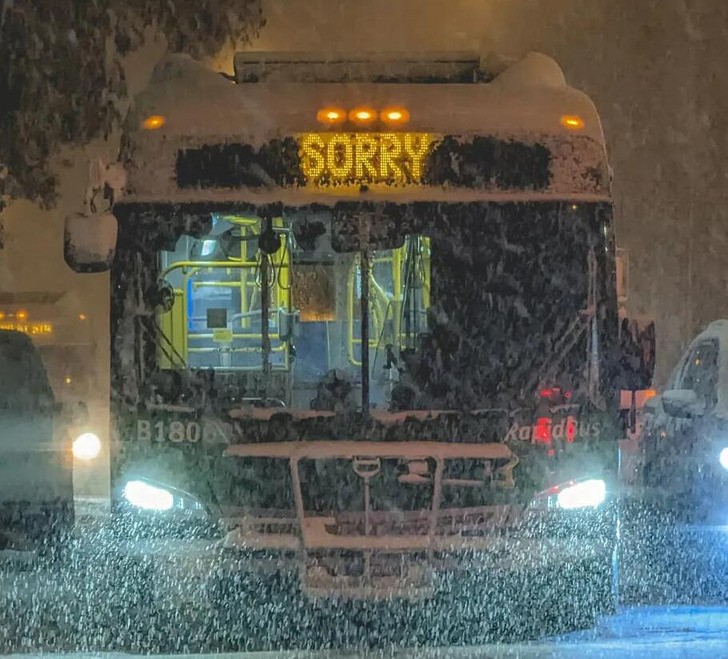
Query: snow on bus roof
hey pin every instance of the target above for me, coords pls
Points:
(530, 96)
(367, 449)
(528, 103)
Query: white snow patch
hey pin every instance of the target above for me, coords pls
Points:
(352, 449)
(534, 70)
(92, 238)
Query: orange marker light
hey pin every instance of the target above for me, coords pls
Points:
(394, 116)
(82, 316)
(331, 115)
(572, 122)
(362, 115)
(21, 315)
(154, 122)
(2, 315)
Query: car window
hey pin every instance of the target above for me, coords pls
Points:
(700, 372)
(675, 376)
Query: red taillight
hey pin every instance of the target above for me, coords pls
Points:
(547, 393)
(542, 430)
(554, 393)
(570, 429)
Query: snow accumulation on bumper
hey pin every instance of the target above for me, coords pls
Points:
(416, 566)
(415, 570)
(404, 551)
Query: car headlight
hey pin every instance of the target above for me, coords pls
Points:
(86, 446)
(148, 497)
(573, 495)
(155, 496)
(723, 457)
(587, 494)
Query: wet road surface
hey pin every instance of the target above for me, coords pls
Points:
(674, 591)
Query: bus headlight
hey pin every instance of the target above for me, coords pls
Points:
(148, 497)
(723, 457)
(86, 446)
(573, 495)
(587, 494)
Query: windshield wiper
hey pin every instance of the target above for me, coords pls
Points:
(169, 351)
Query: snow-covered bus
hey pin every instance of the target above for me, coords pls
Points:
(364, 312)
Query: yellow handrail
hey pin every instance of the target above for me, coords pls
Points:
(381, 300)
(243, 284)
(242, 337)
(232, 265)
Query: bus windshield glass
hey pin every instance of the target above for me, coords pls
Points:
(467, 306)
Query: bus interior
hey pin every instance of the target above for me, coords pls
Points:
(430, 284)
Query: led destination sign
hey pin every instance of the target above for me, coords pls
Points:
(364, 157)
(330, 159)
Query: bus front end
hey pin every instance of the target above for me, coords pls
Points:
(364, 328)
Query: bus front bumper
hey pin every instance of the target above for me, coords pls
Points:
(497, 572)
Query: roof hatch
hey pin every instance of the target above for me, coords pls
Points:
(454, 67)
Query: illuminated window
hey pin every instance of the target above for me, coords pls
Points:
(399, 296)
(216, 318)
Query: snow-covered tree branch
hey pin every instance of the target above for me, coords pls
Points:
(61, 78)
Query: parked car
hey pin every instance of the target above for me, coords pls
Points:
(36, 465)
(686, 438)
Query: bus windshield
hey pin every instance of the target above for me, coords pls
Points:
(467, 306)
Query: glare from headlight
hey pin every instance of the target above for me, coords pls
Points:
(724, 458)
(86, 446)
(587, 494)
(148, 497)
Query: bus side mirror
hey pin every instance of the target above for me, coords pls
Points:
(89, 241)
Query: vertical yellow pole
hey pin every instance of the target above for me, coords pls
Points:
(397, 294)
